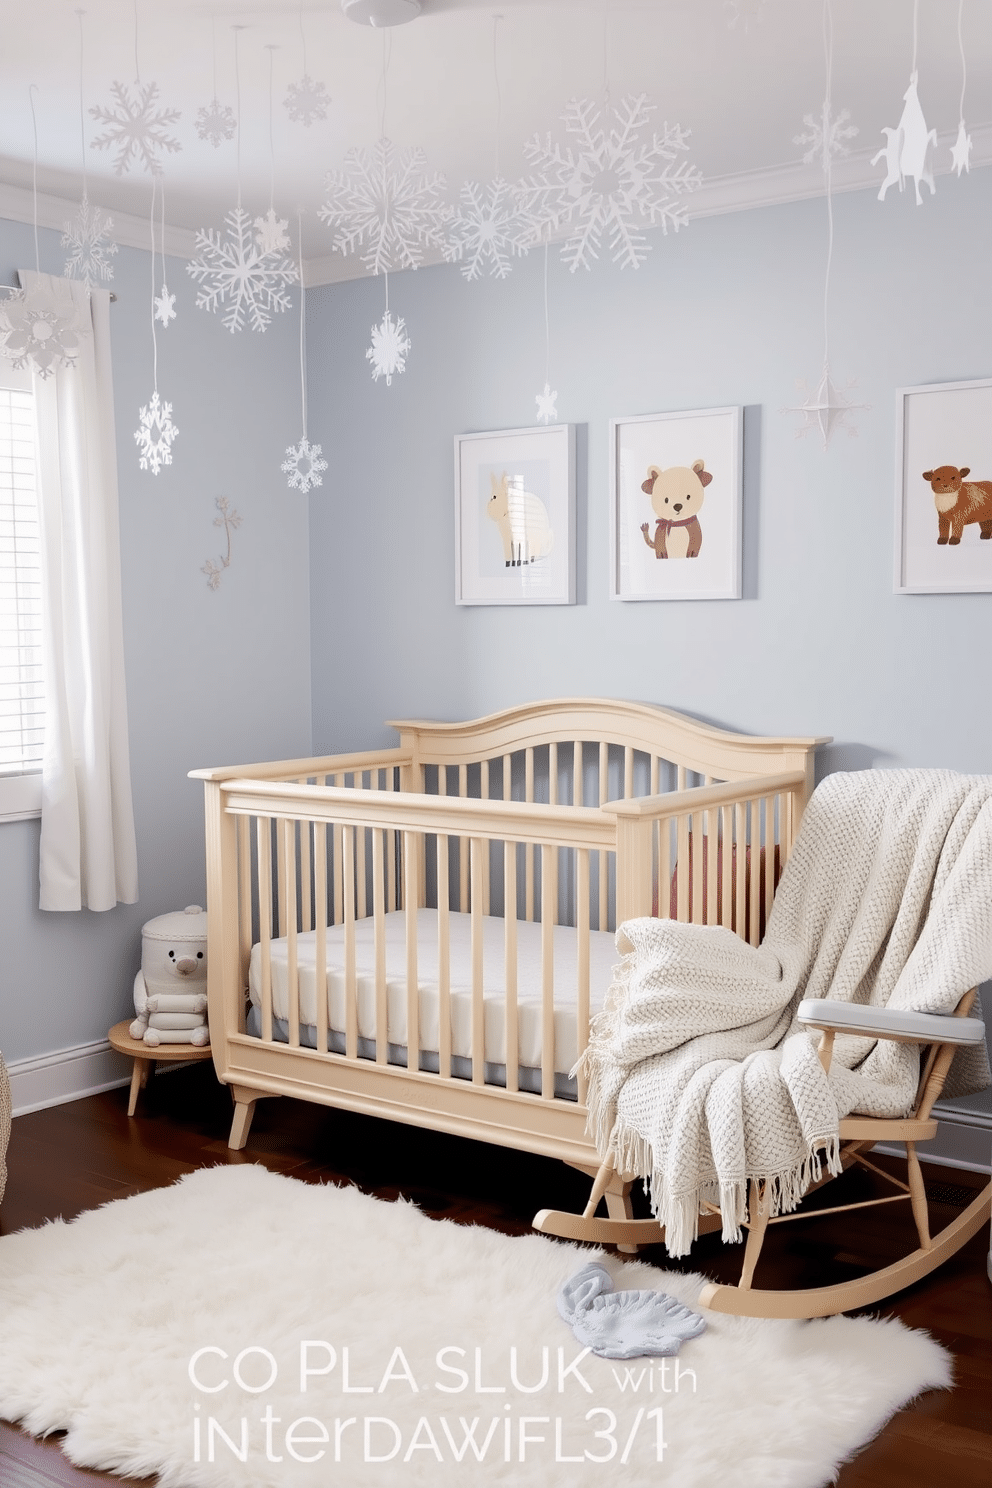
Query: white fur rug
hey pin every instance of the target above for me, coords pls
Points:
(411, 1327)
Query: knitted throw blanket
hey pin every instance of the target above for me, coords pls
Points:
(700, 1078)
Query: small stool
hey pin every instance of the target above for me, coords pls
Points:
(145, 1057)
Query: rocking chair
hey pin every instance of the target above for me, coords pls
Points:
(942, 1036)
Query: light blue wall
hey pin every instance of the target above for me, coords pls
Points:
(213, 677)
(726, 312)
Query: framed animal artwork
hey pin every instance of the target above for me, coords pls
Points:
(676, 491)
(944, 488)
(515, 517)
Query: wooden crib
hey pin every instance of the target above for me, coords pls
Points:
(420, 933)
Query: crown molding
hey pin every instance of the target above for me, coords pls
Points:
(744, 191)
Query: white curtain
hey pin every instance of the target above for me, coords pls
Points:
(88, 857)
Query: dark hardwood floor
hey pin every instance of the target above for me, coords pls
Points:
(73, 1157)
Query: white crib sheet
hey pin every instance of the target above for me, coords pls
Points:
(602, 958)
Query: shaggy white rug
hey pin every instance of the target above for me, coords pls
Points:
(439, 1345)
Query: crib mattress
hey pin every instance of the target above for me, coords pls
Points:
(602, 957)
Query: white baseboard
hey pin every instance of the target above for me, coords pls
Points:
(65, 1075)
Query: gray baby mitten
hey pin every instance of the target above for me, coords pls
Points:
(624, 1325)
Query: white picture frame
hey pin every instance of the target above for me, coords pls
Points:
(681, 540)
(524, 480)
(940, 549)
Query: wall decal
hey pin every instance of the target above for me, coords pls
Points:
(675, 520)
(515, 517)
(944, 489)
(229, 519)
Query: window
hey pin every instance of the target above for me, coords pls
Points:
(22, 688)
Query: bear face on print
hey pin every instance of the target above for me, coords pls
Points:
(677, 495)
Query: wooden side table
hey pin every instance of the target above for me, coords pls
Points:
(145, 1057)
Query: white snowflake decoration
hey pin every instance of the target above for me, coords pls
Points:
(490, 226)
(389, 350)
(165, 306)
(385, 201)
(306, 100)
(236, 272)
(746, 11)
(825, 136)
(547, 405)
(271, 232)
(216, 122)
(155, 435)
(37, 334)
(613, 184)
(303, 465)
(88, 236)
(135, 128)
(826, 409)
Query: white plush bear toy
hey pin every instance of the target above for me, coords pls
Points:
(170, 990)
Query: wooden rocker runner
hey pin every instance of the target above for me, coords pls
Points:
(942, 1036)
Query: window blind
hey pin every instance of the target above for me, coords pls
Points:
(22, 689)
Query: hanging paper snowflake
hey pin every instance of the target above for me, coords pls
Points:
(490, 226)
(235, 271)
(825, 409)
(389, 350)
(216, 122)
(907, 147)
(36, 333)
(165, 306)
(155, 435)
(136, 128)
(825, 136)
(546, 405)
(961, 151)
(271, 232)
(88, 236)
(303, 465)
(306, 100)
(385, 201)
(615, 183)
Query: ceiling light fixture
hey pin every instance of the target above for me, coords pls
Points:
(381, 12)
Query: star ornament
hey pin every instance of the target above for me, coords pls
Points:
(303, 465)
(547, 412)
(961, 151)
(826, 409)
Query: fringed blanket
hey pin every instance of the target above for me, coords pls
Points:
(701, 1079)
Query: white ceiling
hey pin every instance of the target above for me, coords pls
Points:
(740, 74)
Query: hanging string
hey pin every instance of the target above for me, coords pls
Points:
(964, 65)
(237, 83)
(137, 69)
(213, 50)
(303, 39)
(34, 174)
(547, 318)
(606, 53)
(828, 47)
(272, 149)
(303, 323)
(916, 24)
(82, 125)
(499, 95)
(151, 224)
(161, 188)
(387, 49)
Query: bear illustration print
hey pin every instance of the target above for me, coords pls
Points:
(677, 494)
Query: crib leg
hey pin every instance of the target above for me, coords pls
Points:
(244, 1110)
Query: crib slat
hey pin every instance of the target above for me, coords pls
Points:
(712, 840)
(665, 870)
(510, 963)
(740, 880)
(379, 937)
(547, 979)
(682, 868)
(628, 772)
(390, 853)
(360, 832)
(752, 928)
(484, 793)
(350, 979)
(604, 872)
(478, 1005)
(320, 899)
(337, 868)
(244, 909)
(655, 774)
(264, 849)
(577, 782)
(288, 843)
(463, 848)
(529, 852)
(281, 915)
(306, 873)
(443, 961)
(411, 854)
(582, 960)
(680, 778)
(726, 867)
(769, 851)
(553, 800)
(698, 849)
